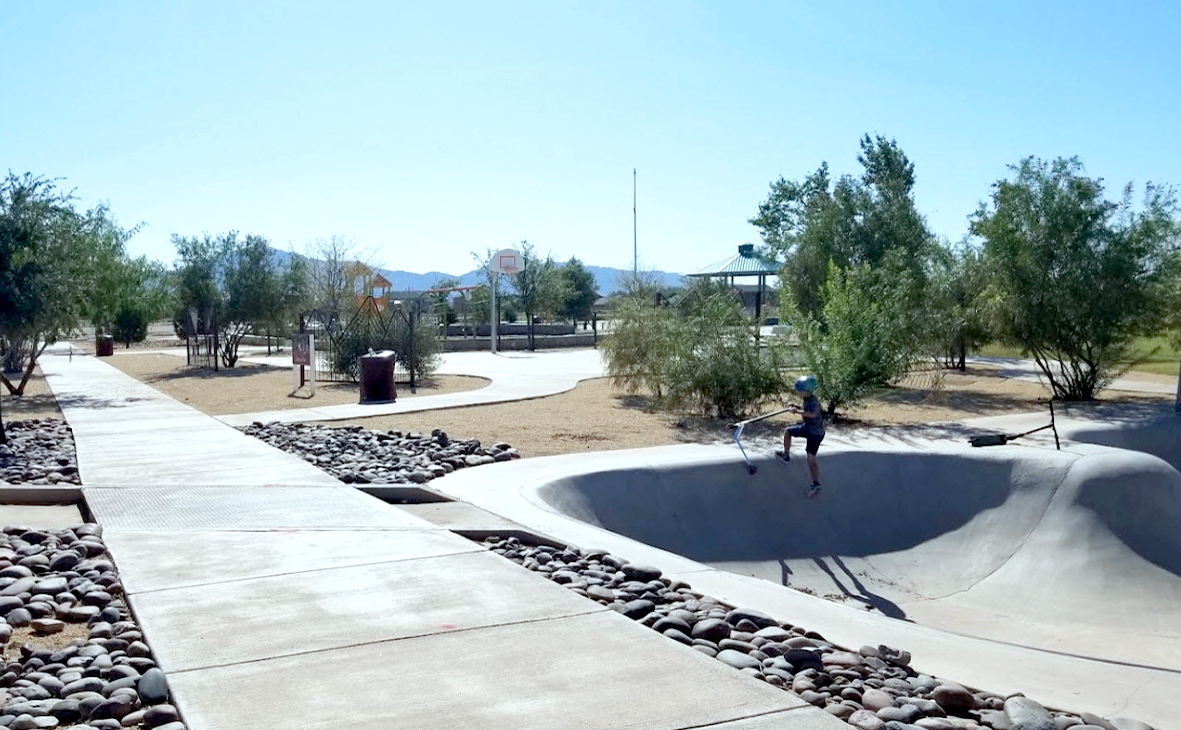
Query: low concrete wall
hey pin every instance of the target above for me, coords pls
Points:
(469, 344)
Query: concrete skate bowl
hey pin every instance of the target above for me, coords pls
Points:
(1159, 436)
(1076, 554)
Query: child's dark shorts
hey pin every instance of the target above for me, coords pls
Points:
(799, 431)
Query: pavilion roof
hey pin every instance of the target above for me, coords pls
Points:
(743, 263)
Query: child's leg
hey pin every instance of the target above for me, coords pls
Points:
(786, 441)
(814, 468)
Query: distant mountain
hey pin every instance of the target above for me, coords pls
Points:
(606, 278)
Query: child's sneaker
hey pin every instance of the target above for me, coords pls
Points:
(781, 454)
(813, 490)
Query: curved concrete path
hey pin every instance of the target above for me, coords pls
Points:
(514, 376)
(275, 597)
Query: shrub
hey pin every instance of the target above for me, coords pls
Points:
(131, 325)
(703, 358)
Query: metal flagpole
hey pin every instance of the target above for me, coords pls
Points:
(635, 249)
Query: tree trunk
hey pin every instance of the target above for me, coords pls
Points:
(1177, 407)
(3, 432)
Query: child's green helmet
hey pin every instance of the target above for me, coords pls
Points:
(806, 383)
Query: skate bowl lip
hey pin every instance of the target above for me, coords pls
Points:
(518, 491)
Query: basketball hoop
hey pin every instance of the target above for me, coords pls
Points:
(506, 261)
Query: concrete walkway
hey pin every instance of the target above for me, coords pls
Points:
(275, 597)
(1028, 370)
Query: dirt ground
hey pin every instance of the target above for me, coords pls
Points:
(37, 401)
(594, 416)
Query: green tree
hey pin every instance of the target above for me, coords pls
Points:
(56, 265)
(539, 285)
(236, 285)
(957, 317)
(858, 343)
(580, 291)
(131, 325)
(253, 292)
(869, 220)
(1074, 277)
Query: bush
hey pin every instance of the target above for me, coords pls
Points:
(131, 325)
(704, 358)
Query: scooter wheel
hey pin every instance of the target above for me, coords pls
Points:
(751, 469)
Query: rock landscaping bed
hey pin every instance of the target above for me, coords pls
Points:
(356, 455)
(873, 688)
(73, 656)
(39, 451)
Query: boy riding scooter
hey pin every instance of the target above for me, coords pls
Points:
(811, 429)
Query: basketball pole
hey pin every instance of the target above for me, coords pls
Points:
(495, 315)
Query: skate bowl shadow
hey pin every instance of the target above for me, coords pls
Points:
(1077, 553)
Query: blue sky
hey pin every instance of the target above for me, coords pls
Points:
(427, 131)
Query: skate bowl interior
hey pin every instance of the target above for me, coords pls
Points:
(1076, 552)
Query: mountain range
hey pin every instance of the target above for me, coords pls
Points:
(607, 279)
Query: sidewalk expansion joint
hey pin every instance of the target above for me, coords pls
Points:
(469, 629)
(305, 572)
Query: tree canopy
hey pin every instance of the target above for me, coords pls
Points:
(1073, 276)
(59, 269)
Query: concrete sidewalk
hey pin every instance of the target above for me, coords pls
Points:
(274, 597)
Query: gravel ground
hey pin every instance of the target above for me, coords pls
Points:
(359, 456)
(39, 451)
(73, 655)
(872, 688)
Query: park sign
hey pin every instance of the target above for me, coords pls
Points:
(303, 362)
(301, 349)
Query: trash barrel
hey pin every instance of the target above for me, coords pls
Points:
(377, 377)
(104, 346)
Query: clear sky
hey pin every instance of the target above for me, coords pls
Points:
(427, 131)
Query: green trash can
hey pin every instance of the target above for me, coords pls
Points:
(104, 345)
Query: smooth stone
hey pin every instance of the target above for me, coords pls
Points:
(738, 659)
(152, 687)
(866, 720)
(711, 630)
(669, 622)
(953, 698)
(1026, 714)
(774, 633)
(906, 713)
(678, 635)
(67, 711)
(86, 684)
(19, 617)
(758, 618)
(875, 699)
(1093, 719)
(642, 573)
(48, 626)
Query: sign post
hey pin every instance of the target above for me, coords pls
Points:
(303, 355)
(504, 261)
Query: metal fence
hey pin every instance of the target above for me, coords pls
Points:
(340, 343)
